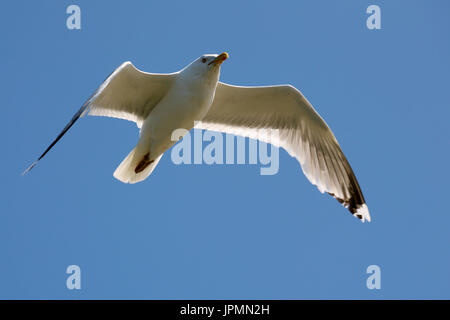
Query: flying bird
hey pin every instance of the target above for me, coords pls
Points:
(161, 103)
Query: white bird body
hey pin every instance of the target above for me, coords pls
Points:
(187, 100)
(162, 103)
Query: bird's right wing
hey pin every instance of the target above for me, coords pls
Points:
(128, 94)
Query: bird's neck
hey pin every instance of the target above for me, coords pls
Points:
(195, 81)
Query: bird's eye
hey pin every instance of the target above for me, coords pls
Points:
(204, 60)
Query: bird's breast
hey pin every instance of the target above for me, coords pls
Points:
(180, 108)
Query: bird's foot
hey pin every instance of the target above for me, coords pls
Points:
(145, 162)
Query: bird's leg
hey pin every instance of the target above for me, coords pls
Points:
(145, 162)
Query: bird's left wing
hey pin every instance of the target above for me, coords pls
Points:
(128, 94)
(250, 111)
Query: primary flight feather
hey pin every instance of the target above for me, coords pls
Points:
(161, 103)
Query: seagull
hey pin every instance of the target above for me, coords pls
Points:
(162, 103)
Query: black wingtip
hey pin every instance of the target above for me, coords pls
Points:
(29, 168)
(76, 116)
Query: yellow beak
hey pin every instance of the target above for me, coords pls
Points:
(219, 59)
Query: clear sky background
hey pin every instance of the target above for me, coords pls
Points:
(224, 231)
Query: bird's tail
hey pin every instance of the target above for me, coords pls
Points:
(126, 171)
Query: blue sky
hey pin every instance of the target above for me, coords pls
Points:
(224, 231)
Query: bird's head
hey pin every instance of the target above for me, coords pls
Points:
(206, 66)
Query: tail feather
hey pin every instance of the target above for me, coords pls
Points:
(125, 172)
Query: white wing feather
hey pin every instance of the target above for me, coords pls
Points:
(246, 111)
(129, 94)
